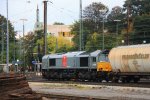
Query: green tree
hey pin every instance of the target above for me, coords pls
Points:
(93, 16)
(137, 7)
(138, 16)
(3, 38)
(114, 18)
(141, 30)
(92, 26)
(33, 46)
(59, 44)
(29, 45)
(95, 43)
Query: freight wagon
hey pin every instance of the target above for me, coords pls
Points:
(130, 62)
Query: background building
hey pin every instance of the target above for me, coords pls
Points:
(60, 30)
(55, 30)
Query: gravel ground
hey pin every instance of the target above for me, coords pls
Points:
(92, 91)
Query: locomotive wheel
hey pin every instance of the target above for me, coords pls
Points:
(99, 80)
(128, 79)
(87, 76)
(115, 79)
(123, 80)
(135, 80)
(80, 75)
(107, 79)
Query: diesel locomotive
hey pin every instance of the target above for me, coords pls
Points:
(76, 65)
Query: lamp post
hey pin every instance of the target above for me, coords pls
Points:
(7, 56)
(104, 14)
(23, 20)
(81, 27)
(117, 30)
(103, 34)
(45, 27)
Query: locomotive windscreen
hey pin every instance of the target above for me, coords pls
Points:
(83, 61)
(52, 62)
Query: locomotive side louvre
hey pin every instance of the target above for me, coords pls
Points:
(72, 59)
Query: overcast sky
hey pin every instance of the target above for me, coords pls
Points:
(65, 11)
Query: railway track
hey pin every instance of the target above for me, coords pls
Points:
(65, 97)
(69, 90)
(143, 83)
(85, 90)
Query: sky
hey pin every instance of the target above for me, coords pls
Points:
(65, 11)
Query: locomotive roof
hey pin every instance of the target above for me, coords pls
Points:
(60, 55)
(45, 57)
(94, 54)
(72, 54)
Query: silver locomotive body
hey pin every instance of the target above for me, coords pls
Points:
(71, 64)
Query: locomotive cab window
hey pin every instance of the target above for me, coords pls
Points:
(94, 59)
(52, 62)
(83, 61)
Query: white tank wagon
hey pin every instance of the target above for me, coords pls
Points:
(130, 62)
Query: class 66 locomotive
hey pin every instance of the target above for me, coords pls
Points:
(79, 65)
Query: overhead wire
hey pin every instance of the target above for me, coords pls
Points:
(63, 10)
